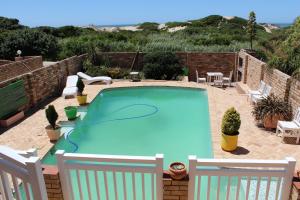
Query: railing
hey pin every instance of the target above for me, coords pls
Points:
(240, 179)
(21, 177)
(88, 176)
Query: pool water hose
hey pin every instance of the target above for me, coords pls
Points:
(155, 110)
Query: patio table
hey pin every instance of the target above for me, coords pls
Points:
(214, 75)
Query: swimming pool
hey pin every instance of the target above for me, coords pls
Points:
(143, 121)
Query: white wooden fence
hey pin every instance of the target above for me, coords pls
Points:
(240, 179)
(21, 175)
(88, 176)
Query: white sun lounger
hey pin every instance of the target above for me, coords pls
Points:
(266, 92)
(290, 128)
(88, 79)
(260, 90)
(71, 88)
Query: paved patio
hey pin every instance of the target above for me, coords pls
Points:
(254, 142)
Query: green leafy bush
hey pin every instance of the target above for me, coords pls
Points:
(271, 106)
(30, 42)
(51, 115)
(80, 85)
(149, 26)
(231, 122)
(162, 66)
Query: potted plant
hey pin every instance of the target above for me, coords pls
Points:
(272, 109)
(186, 74)
(177, 170)
(81, 98)
(71, 112)
(230, 129)
(53, 130)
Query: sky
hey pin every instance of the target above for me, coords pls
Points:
(116, 12)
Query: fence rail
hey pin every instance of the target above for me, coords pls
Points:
(88, 176)
(240, 179)
(21, 177)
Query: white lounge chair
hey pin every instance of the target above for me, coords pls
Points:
(260, 90)
(71, 88)
(200, 80)
(290, 128)
(228, 79)
(88, 79)
(266, 92)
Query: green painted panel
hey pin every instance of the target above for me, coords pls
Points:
(12, 97)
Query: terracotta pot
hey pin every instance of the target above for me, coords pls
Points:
(178, 173)
(270, 121)
(53, 134)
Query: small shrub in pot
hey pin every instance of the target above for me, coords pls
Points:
(81, 98)
(53, 130)
(230, 129)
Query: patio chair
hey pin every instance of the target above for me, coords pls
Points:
(266, 92)
(200, 80)
(260, 90)
(218, 80)
(290, 128)
(71, 88)
(228, 79)
(88, 79)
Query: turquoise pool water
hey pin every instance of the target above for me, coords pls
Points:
(143, 121)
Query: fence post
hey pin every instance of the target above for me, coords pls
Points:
(159, 176)
(5, 186)
(63, 178)
(38, 184)
(287, 182)
(192, 174)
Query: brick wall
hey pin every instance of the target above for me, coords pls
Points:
(4, 62)
(282, 84)
(294, 94)
(279, 82)
(49, 81)
(14, 69)
(175, 190)
(203, 62)
(52, 181)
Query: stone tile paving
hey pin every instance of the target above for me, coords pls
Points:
(254, 142)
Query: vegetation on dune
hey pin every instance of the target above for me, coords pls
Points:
(209, 34)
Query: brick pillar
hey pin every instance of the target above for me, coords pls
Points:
(53, 186)
(174, 189)
(295, 193)
(245, 70)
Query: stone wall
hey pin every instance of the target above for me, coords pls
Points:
(4, 62)
(203, 62)
(14, 69)
(49, 81)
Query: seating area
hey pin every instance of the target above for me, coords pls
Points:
(89, 80)
(262, 92)
(215, 78)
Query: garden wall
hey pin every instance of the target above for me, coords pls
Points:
(203, 62)
(283, 85)
(49, 81)
(26, 65)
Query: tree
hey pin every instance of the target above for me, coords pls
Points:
(251, 28)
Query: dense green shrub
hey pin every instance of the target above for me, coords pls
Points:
(9, 24)
(231, 122)
(162, 65)
(51, 116)
(149, 26)
(30, 42)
